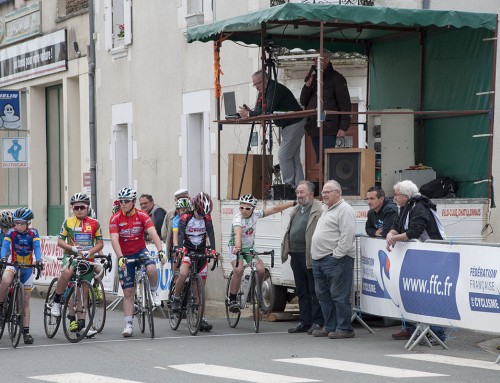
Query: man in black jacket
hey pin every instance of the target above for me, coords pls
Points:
(382, 214)
(278, 98)
(335, 98)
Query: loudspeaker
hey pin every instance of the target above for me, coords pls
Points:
(353, 169)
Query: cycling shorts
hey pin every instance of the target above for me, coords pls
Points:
(87, 270)
(201, 265)
(26, 276)
(127, 279)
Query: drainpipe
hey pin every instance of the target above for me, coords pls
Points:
(91, 61)
(426, 4)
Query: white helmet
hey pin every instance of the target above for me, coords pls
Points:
(249, 199)
(127, 193)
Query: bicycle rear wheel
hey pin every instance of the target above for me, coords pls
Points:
(194, 305)
(148, 306)
(16, 313)
(233, 317)
(256, 289)
(100, 307)
(174, 318)
(50, 323)
(77, 304)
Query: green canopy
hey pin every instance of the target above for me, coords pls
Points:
(425, 60)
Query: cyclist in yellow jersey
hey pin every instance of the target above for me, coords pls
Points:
(79, 235)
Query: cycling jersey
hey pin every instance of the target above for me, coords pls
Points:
(130, 230)
(83, 234)
(22, 246)
(248, 227)
(193, 232)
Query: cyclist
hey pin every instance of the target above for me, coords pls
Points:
(6, 223)
(79, 235)
(243, 239)
(127, 228)
(194, 228)
(182, 206)
(22, 242)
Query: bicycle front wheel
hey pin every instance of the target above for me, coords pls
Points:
(100, 307)
(256, 289)
(78, 311)
(139, 306)
(16, 313)
(148, 306)
(233, 317)
(195, 304)
(174, 318)
(50, 323)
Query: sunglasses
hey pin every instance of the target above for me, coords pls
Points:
(245, 208)
(124, 201)
(79, 207)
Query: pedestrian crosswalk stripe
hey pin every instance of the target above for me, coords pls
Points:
(361, 368)
(450, 360)
(80, 377)
(238, 374)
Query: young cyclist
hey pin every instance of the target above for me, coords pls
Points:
(194, 228)
(22, 242)
(182, 206)
(6, 223)
(79, 235)
(243, 239)
(127, 228)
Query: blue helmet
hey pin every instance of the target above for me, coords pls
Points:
(23, 214)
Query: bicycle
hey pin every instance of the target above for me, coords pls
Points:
(14, 304)
(143, 299)
(100, 299)
(192, 296)
(249, 283)
(73, 301)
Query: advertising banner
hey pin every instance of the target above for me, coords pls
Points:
(10, 109)
(435, 283)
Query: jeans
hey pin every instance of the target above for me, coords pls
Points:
(309, 308)
(329, 142)
(333, 282)
(289, 153)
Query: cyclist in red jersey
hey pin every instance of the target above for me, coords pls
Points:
(127, 228)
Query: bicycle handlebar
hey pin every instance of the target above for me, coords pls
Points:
(195, 254)
(254, 254)
(107, 261)
(38, 267)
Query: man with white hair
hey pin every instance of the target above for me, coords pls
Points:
(333, 253)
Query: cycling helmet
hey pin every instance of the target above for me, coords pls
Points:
(249, 199)
(6, 220)
(183, 203)
(79, 197)
(127, 193)
(202, 203)
(23, 214)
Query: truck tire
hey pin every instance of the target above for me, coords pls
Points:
(273, 296)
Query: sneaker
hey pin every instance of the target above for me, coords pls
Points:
(234, 307)
(97, 294)
(321, 332)
(128, 331)
(301, 327)
(156, 298)
(176, 304)
(55, 310)
(315, 326)
(341, 334)
(28, 339)
(73, 326)
(91, 333)
(205, 326)
(402, 335)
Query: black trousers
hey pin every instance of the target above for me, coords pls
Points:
(309, 308)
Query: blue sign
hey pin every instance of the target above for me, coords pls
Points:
(428, 282)
(10, 109)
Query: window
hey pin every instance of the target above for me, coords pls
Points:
(118, 24)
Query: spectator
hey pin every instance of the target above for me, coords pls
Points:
(297, 244)
(415, 221)
(335, 98)
(382, 213)
(333, 253)
(156, 213)
(278, 97)
(166, 229)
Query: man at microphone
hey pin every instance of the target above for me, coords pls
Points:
(335, 98)
(278, 98)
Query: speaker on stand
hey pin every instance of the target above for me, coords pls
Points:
(352, 168)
